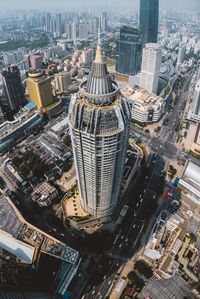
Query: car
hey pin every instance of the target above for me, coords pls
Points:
(109, 282)
(154, 196)
(134, 214)
(104, 277)
(93, 292)
(120, 245)
(146, 177)
(126, 240)
(122, 237)
(141, 200)
(145, 190)
(133, 225)
(62, 235)
(117, 264)
(54, 229)
(137, 204)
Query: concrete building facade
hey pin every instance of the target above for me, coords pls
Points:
(99, 118)
(151, 62)
(62, 81)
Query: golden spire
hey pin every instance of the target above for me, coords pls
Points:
(99, 53)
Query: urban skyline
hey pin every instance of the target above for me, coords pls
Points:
(100, 149)
(80, 5)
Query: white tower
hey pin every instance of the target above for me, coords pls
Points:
(151, 61)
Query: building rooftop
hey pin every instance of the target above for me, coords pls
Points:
(142, 99)
(12, 222)
(191, 179)
(24, 117)
(30, 105)
(44, 189)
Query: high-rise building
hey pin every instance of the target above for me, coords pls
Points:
(39, 88)
(13, 88)
(194, 111)
(99, 118)
(83, 31)
(149, 15)
(74, 31)
(68, 30)
(151, 61)
(62, 81)
(58, 24)
(128, 51)
(181, 54)
(47, 22)
(103, 21)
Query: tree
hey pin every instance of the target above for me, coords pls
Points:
(67, 140)
(143, 268)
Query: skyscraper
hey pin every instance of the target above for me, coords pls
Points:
(128, 51)
(181, 54)
(39, 88)
(149, 15)
(13, 88)
(99, 119)
(103, 21)
(74, 31)
(58, 24)
(47, 22)
(151, 61)
(194, 111)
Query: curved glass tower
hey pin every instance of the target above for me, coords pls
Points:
(99, 119)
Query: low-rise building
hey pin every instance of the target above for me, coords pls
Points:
(34, 250)
(146, 107)
(54, 147)
(60, 128)
(25, 123)
(13, 177)
(190, 182)
(44, 194)
(164, 243)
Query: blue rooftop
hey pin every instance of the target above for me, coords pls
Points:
(30, 105)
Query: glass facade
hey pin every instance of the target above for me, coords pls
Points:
(149, 14)
(129, 51)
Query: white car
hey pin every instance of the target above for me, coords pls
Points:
(133, 225)
(137, 204)
(104, 277)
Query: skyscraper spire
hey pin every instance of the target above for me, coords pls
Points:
(99, 52)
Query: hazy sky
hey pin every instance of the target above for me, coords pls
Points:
(84, 4)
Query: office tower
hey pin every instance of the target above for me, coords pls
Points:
(149, 15)
(58, 24)
(128, 51)
(99, 119)
(83, 32)
(74, 31)
(68, 30)
(47, 22)
(194, 111)
(62, 81)
(39, 88)
(13, 88)
(103, 21)
(151, 61)
(52, 26)
(181, 54)
(95, 25)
